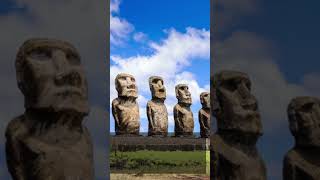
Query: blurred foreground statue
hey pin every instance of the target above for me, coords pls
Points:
(125, 109)
(204, 115)
(233, 147)
(303, 161)
(49, 141)
(156, 109)
(183, 116)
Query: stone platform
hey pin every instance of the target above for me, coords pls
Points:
(136, 143)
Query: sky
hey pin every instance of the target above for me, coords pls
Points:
(277, 44)
(153, 38)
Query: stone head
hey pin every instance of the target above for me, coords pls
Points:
(304, 120)
(205, 99)
(51, 77)
(237, 107)
(157, 87)
(183, 95)
(126, 86)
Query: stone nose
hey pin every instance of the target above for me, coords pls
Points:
(187, 93)
(60, 61)
(244, 91)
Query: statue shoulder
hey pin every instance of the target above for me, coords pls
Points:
(16, 127)
(115, 102)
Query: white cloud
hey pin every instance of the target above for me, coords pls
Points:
(252, 54)
(140, 37)
(230, 11)
(119, 27)
(170, 58)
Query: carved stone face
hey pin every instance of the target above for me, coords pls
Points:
(126, 85)
(205, 99)
(304, 120)
(157, 87)
(51, 77)
(238, 109)
(182, 93)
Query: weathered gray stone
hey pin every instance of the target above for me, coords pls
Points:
(183, 116)
(156, 109)
(233, 147)
(125, 109)
(49, 141)
(303, 160)
(204, 115)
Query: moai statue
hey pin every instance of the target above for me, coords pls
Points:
(204, 115)
(233, 147)
(303, 160)
(183, 116)
(156, 109)
(49, 141)
(125, 109)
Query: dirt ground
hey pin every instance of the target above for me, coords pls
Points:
(158, 177)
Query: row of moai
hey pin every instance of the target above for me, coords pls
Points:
(233, 146)
(125, 109)
(49, 141)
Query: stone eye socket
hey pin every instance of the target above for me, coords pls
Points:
(307, 107)
(231, 85)
(73, 58)
(133, 80)
(40, 54)
(156, 81)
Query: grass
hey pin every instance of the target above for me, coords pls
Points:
(193, 162)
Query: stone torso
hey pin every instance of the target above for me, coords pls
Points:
(183, 118)
(158, 117)
(299, 165)
(127, 116)
(36, 158)
(204, 121)
(233, 164)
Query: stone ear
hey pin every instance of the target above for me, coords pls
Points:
(293, 124)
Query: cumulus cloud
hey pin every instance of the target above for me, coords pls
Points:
(140, 37)
(226, 13)
(119, 27)
(169, 59)
(249, 53)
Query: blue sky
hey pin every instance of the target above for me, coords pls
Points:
(166, 38)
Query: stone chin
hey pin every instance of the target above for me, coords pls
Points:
(58, 103)
(129, 94)
(310, 140)
(160, 95)
(187, 101)
(247, 122)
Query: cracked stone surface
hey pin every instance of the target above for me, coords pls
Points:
(156, 109)
(125, 108)
(204, 115)
(183, 116)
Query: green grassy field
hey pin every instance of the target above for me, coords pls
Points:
(193, 162)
